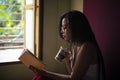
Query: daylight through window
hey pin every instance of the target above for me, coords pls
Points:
(15, 28)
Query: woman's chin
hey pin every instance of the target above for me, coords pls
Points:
(66, 39)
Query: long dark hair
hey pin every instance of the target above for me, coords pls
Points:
(82, 32)
(79, 25)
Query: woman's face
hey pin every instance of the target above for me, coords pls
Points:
(65, 30)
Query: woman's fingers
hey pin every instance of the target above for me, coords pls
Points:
(34, 69)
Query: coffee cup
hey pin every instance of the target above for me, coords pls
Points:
(61, 54)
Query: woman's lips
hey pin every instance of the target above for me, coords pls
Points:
(63, 36)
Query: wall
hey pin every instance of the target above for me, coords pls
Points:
(51, 40)
(77, 5)
(104, 19)
(15, 71)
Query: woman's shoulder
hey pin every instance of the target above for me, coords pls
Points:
(88, 47)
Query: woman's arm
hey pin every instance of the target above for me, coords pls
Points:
(49, 75)
(83, 59)
(68, 64)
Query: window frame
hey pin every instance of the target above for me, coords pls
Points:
(38, 29)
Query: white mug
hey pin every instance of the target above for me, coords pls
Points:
(61, 54)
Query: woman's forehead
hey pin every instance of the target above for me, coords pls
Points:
(65, 21)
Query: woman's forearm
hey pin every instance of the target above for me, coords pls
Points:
(56, 76)
(68, 67)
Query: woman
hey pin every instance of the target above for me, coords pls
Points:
(86, 62)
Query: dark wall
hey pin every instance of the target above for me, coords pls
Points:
(104, 18)
(15, 71)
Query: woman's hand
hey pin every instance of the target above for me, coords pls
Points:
(67, 55)
(36, 71)
(67, 58)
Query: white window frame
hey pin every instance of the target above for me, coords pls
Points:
(29, 30)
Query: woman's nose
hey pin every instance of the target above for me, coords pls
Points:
(62, 30)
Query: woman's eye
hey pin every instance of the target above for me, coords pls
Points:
(65, 27)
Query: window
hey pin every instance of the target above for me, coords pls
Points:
(18, 28)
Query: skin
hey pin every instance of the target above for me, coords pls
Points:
(65, 30)
(85, 56)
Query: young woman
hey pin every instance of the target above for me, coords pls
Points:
(86, 62)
